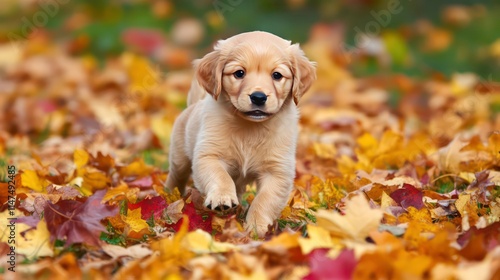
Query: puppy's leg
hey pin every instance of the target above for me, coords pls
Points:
(273, 192)
(180, 165)
(180, 170)
(212, 179)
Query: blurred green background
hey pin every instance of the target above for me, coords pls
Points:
(418, 38)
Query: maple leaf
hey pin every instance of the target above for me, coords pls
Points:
(102, 162)
(196, 221)
(78, 222)
(359, 219)
(150, 207)
(408, 196)
(134, 221)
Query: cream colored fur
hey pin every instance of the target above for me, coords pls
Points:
(222, 145)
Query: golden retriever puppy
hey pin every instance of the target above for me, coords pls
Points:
(246, 130)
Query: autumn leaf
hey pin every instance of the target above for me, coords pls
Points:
(120, 192)
(171, 249)
(30, 179)
(136, 169)
(196, 221)
(78, 222)
(408, 196)
(396, 175)
(318, 238)
(35, 242)
(357, 223)
(81, 158)
(134, 221)
(150, 207)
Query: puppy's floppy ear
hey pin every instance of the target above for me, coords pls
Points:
(304, 72)
(209, 71)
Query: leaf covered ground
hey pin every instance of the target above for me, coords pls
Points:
(396, 177)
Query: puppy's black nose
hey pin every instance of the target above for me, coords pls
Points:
(258, 98)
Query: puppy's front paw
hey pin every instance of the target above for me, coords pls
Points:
(257, 224)
(220, 200)
(258, 230)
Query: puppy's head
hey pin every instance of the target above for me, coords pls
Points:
(258, 71)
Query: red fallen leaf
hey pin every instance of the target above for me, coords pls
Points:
(76, 221)
(150, 207)
(143, 40)
(408, 196)
(197, 220)
(322, 267)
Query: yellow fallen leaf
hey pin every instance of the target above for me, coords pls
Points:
(367, 145)
(318, 238)
(324, 151)
(137, 168)
(359, 219)
(93, 179)
(387, 201)
(30, 179)
(117, 193)
(201, 242)
(134, 220)
(461, 203)
(467, 176)
(389, 141)
(5, 222)
(81, 158)
(35, 242)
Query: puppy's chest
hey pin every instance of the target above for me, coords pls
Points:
(245, 158)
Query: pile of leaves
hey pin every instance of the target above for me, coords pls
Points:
(396, 177)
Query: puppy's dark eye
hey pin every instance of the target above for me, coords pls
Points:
(277, 76)
(239, 74)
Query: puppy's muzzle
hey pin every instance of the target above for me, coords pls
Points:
(258, 98)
